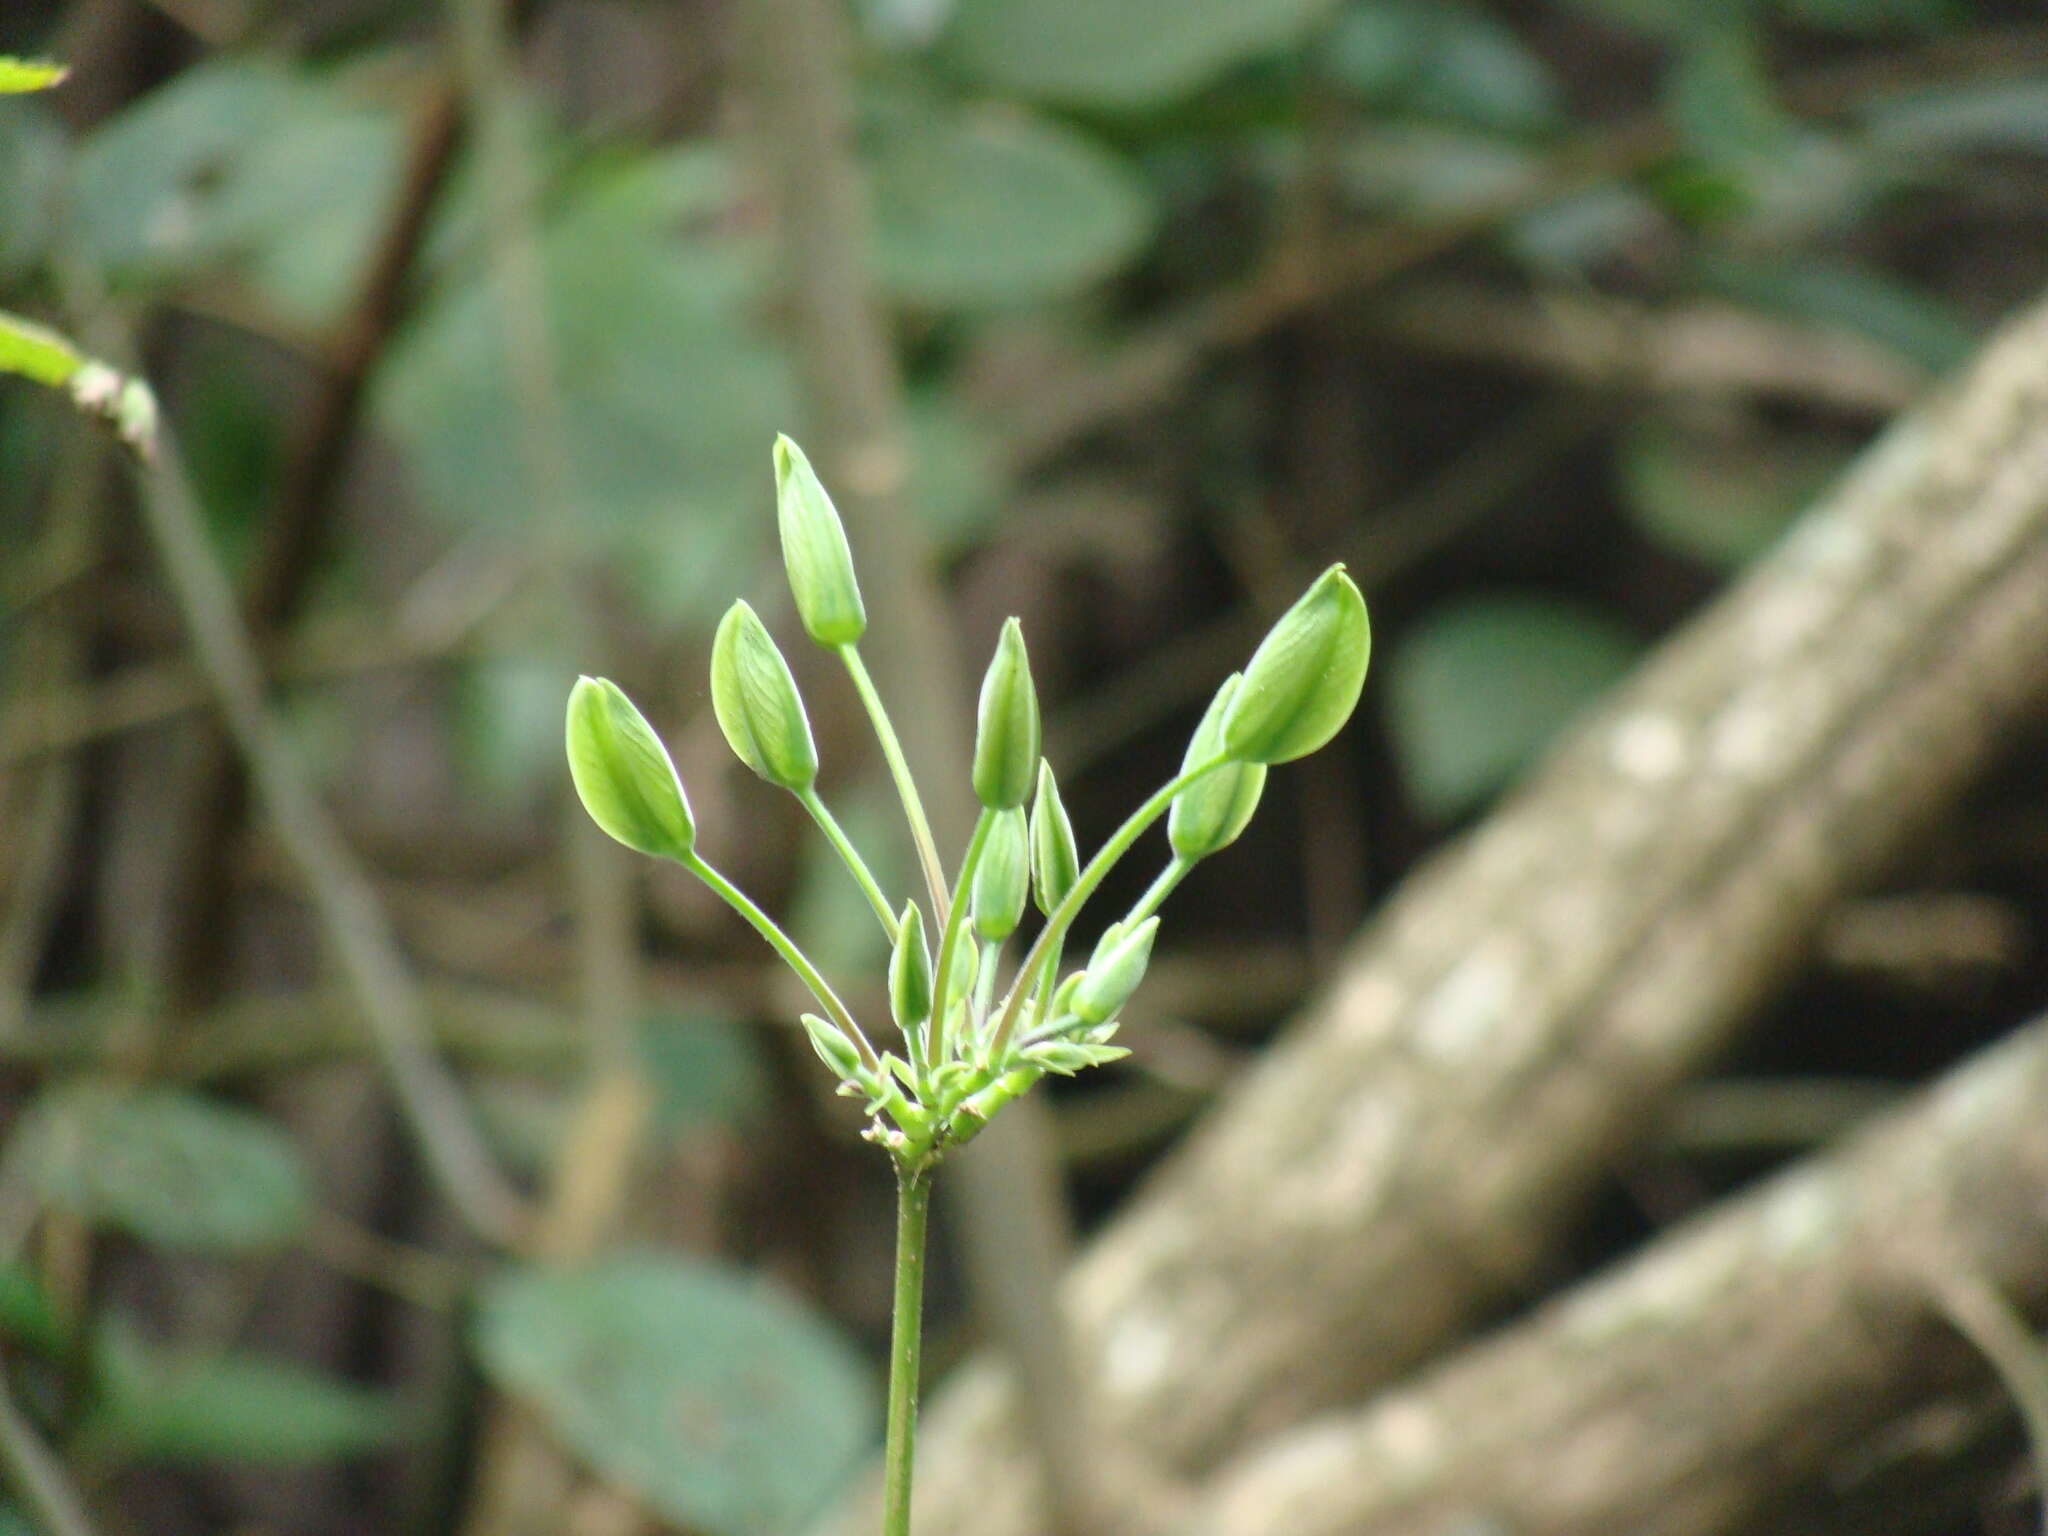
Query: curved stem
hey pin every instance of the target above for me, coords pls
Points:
(949, 939)
(1063, 915)
(1161, 888)
(913, 1204)
(850, 857)
(906, 787)
(793, 957)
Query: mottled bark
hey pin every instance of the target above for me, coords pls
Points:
(1410, 1152)
(1753, 1370)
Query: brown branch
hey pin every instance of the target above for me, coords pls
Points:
(1735, 1376)
(211, 801)
(1598, 342)
(1506, 1026)
(342, 895)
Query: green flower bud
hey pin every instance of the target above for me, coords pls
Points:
(814, 552)
(1055, 860)
(1114, 971)
(1212, 811)
(623, 774)
(1006, 736)
(833, 1048)
(910, 972)
(1305, 676)
(757, 704)
(1002, 880)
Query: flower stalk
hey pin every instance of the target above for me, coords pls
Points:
(964, 1054)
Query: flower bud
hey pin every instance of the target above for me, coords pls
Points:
(1304, 678)
(833, 1048)
(1002, 880)
(1114, 971)
(910, 972)
(1212, 811)
(1006, 735)
(757, 704)
(623, 774)
(1055, 860)
(814, 552)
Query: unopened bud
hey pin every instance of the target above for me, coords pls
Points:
(1303, 680)
(1055, 860)
(1006, 736)
(910, 972)
(757, 704)
(623, 774)
(1114, 971)
(833, 1048)
(1211, 812)
(814, 552)
(1002, 880)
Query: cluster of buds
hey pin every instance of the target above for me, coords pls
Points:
(967, 1038)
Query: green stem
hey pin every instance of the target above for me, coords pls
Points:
(1161, 888)
(913, 1205)
(850, 857)
(906, 787)
(1063, 915)
(949, 939)
(793, 957)
(984, 986)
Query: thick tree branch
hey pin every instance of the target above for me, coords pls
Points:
(1738, 1374)
(1512, 1019)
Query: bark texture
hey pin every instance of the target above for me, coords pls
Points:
(1518, 1012)
(1750, 1371)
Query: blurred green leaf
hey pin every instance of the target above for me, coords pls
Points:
(1991, 115)
(1661, 18)
(1876, 17)
(1129, 54)
(726, 1406)
(31, 173)
(508, 711)
(706, 1069)
(1919, 326)
(244, 164)
(1721, 98)
(18, 75)
(173, 1406)
(956, 487)
(985, 207)
(1718, 497)
(167, 1166)
(1567, 238)
(1480, 686)
(666, 399)
(28, 1314)
(1450, 61)
(1425, 172)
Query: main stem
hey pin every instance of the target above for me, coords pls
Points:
(913, 1205)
